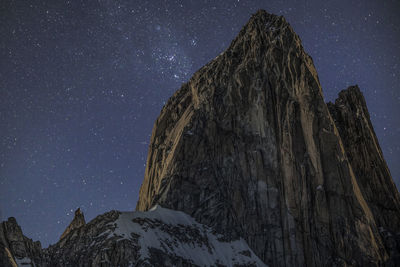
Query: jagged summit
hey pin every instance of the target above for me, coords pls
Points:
(267, 22)
(77, 222)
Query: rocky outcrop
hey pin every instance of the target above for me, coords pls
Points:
(77, 222)
(248, 147)
(15, 248)
(362, 148)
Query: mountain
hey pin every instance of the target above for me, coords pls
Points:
(249, 147)
(248, 166)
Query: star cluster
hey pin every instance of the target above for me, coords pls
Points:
(82, 82)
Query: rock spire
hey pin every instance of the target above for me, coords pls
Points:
(77, 222)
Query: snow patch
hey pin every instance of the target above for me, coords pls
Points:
(262, 186)
(24, 262)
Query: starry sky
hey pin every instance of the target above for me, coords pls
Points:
(82, 82)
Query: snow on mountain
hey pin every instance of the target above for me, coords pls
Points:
(176, 233)
(158, 237)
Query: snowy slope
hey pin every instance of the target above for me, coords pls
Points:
(158, 237)
(176, 233)
(24, 262)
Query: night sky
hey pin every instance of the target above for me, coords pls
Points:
(82, 82)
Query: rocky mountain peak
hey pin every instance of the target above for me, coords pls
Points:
(77, 222)
(269, 23)
(265, 31)
(249, 147)
(352, 95)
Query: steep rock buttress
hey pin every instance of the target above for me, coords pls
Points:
(352, 120)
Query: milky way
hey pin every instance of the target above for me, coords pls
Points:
(82, 83)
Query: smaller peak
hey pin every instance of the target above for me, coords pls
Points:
(351, 90)
(77, 222)
(354, 88)
(353, 98)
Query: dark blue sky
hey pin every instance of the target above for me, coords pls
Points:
(81, 83)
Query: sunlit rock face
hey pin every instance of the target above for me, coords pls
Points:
(248, 146)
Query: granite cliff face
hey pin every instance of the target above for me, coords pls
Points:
(249, 147)
(247, 166)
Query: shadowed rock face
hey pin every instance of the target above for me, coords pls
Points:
(248, 146)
